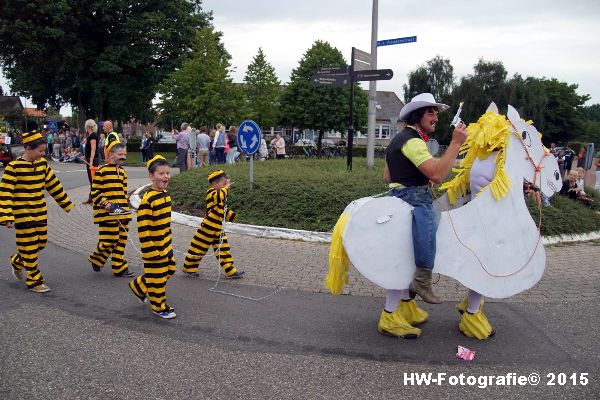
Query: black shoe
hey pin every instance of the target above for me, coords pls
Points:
(193, 275)
(116, 210)
(96, 268)
(125, 274)
(237, 275)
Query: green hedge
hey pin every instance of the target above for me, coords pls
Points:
(312, 193)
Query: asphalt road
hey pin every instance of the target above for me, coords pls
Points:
(90, 338)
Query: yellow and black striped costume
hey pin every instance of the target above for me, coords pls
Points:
(22, 202)
(209, 234)
(154, 229)
(110, 185)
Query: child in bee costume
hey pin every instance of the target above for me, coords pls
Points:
(23, 206)
(154, 229)
(211, 231)
(111, 212)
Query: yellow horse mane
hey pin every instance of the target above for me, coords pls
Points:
(490, 133)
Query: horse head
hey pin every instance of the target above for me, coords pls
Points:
(536, 164)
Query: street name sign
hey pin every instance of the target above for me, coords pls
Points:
(374, 75)
(343, 70)
(402, 40)
(330, 80)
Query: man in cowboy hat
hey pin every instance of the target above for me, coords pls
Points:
(409, 169)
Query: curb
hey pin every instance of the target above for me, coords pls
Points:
(271, 232)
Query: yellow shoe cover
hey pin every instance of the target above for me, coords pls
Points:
(394, 324)
(464, 303)
(411, 312)
(476, 325)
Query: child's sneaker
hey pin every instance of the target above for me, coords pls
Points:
(125, 274)
(191, 274)
(237, 275)
(43, 288)
(17, 273)
(166, 314)
(96, 268)
(116, 210)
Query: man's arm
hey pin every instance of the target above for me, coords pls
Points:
(7, 187)
(437, 170)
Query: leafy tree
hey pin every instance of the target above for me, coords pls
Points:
(103, 57)
(562, 117)
(201, 91)
(262, 90)
(304, 105)
(435, 77)
(528, 96)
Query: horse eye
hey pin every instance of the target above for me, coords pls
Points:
(556, 175)
(524, 135)
(526, 138)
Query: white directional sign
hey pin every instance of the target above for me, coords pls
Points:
(249, 136)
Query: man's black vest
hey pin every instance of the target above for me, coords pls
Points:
(402, 170)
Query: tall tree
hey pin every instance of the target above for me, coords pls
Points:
(263, 91)
(563, 114)
(435, 77)
(202, 91)
(103, 57)
(321, 108)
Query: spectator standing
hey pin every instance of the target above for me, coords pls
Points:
(212, 153)
(568, 160)
(101, 147)
(50, 141)
(182, 141)
(263, 151)
(68, 141)
(203, 147)
(149, 146)
(220, 143)
(279, 145)
(191, 159)
(233, 151)
(91, 153)
(144, 149)
(581, 157)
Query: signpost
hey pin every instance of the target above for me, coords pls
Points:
(249, 137)
(402, 40)
(374, 75)
(331, 76)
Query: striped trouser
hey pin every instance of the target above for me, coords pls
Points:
(111, 240)
(153, 283)
(30, 241)
(201, 242)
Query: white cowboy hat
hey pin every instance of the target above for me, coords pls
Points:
(420, 101)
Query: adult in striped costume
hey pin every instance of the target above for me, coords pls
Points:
(154, 229)
(111, 212)
(210, 232)
(23, 206)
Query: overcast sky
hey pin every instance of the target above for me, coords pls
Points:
(555, 39)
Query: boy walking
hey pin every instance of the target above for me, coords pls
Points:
(111, 212)
(211, 230)
(23, 206)
(154, 229)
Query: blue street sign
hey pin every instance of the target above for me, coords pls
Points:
(249, 136)
(389, 42)
(52, 126)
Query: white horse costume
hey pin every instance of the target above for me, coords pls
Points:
(490, 244)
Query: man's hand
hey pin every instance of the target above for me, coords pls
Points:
(459, 135)
(107, 206)
(10, 225)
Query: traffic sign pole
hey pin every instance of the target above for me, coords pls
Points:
(249, 138)
(351, 119)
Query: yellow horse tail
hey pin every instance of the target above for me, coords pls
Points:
(337, 276)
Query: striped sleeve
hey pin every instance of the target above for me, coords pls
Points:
(54, 187)
(7, 187)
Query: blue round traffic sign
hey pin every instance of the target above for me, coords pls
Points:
(249, 137)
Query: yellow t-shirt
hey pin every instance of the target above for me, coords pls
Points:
(416, 151)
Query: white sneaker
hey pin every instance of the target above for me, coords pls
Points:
(167, 314)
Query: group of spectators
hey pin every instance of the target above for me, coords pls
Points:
(199, 147)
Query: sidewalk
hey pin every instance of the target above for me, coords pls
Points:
(571, 274)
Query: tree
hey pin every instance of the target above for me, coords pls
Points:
(201, 91)
(262, 90)
(563, 114)
(304, 105)
(435, 77)
(105, 58)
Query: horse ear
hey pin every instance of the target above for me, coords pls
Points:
(513, 114)
(492, 108)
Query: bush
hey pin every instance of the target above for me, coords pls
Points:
(311, 194)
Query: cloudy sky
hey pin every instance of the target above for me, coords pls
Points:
(554, 39)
